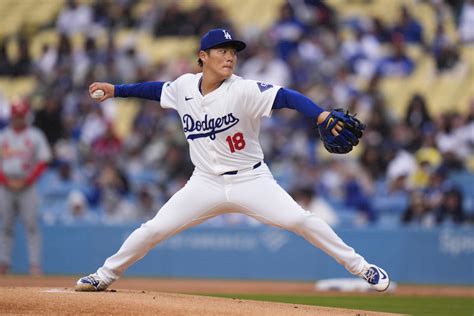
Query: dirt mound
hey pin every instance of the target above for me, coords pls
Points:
(40, 300)
(203, 286)
(53, 294)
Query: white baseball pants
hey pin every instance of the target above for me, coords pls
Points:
(254, 193)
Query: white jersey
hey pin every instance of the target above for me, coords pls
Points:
(222, 127)
(20, 152)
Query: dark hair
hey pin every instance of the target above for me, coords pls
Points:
(199, 59)
(208, 51)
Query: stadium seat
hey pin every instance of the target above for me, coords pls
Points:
(18, 87)
(127, 108)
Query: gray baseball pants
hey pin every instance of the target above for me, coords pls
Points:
(25, 205)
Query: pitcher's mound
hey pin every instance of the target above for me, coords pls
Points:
(40, 300)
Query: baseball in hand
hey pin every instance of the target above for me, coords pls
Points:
(97, 94)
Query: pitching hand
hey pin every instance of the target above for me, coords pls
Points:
(109, 90)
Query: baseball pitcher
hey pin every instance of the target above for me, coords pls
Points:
(220, 115)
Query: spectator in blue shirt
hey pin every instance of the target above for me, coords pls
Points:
(398, 64)
(287, 32)
(409, 27)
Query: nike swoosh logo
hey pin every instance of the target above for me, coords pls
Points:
(187, 99)
(384, 276)
(329, 122)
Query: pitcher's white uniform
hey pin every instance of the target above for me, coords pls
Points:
(222, 130)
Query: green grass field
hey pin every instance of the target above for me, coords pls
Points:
(442, 306)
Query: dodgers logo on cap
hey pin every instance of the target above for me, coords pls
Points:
(227, 35)
(217, 37)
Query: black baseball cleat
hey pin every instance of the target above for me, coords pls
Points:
(91, 283)
(376, 277)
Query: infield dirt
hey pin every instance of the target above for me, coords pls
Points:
(52, 294)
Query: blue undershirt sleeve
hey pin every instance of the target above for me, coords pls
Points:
(291, 99)
(144, 90)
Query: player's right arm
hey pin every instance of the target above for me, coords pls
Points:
(144, 90)
(164, 92)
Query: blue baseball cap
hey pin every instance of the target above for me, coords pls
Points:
(217, 37)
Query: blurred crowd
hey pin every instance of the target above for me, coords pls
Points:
(410, 170)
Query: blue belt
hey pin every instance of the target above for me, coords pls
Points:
(233, 172)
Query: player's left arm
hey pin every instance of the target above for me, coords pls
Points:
(339, 131)
(291, 99)
(43, 157)
(36, 173)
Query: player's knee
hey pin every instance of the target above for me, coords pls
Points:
(301, 221)
(156, 230)
(295, 223)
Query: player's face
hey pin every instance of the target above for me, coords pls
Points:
(221, 61)
(18, 121)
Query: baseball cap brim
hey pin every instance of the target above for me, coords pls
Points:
(239, 45)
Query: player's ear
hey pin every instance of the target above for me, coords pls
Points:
(203, 55)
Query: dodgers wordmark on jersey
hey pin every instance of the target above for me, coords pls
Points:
(220, 140)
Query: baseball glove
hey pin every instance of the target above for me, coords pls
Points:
(348, 137)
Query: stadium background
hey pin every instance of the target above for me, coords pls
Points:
(404, 197)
